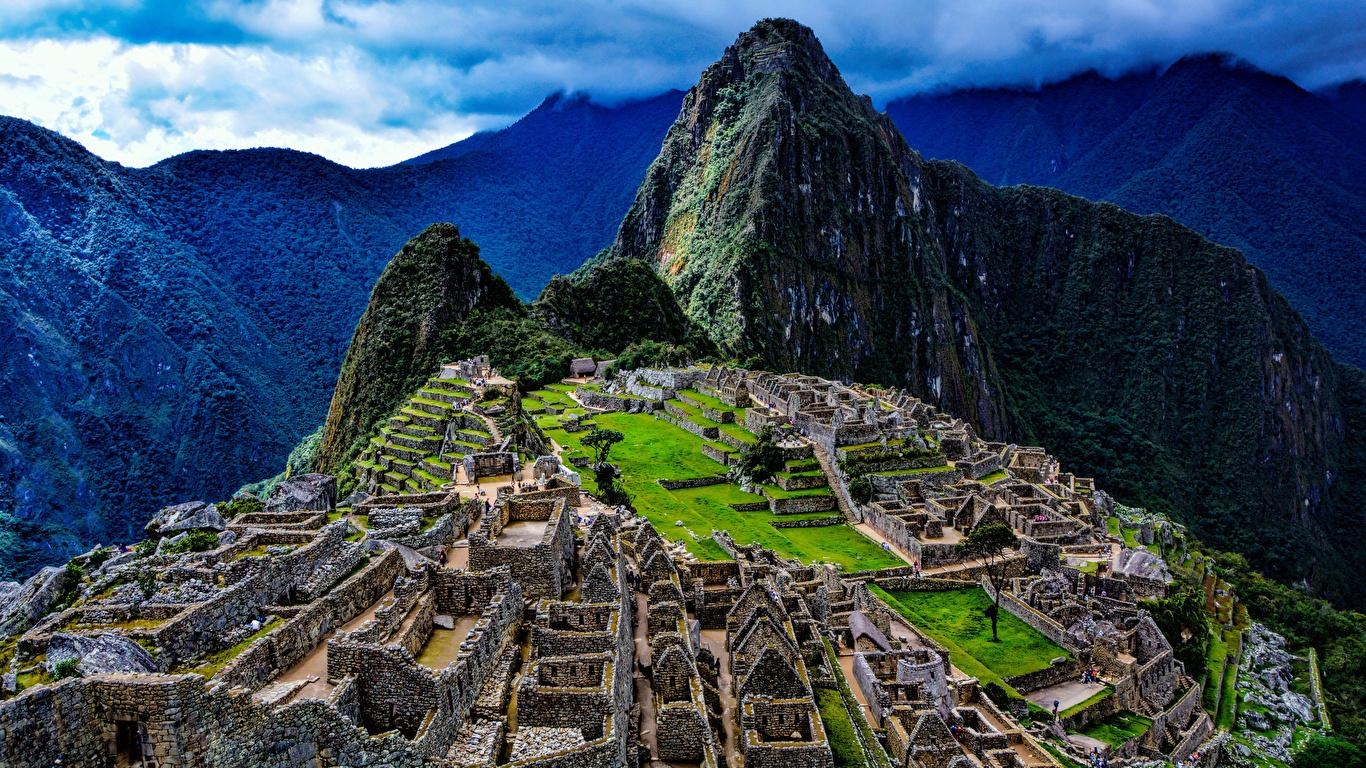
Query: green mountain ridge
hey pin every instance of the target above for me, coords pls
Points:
(799, 231)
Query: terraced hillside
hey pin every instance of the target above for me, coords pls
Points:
(419, 448)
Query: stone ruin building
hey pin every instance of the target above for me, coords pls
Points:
(423, 624)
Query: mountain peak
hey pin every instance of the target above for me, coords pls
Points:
(772, 46)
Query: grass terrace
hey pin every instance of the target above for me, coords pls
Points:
(839, 729)
(957, 619)
(215, 662)
(1118, 729)
(654, 449)
(1091, 701)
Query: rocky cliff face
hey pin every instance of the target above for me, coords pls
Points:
(787, 214)
(431, 286)
(800, 231)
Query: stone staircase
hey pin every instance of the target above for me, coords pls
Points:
(843, 500)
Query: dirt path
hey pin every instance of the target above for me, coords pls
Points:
(715, 641)
(314, 663)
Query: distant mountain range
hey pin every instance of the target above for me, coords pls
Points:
(1246, 158)
(171, 332)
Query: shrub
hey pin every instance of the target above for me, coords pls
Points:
(99, 557)
(144, 548)
(66, 668)
(194, 541)
(240, 505)
(761, 459)
(146, 579)
(861, 488)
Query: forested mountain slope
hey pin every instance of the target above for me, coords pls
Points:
(170, 332)
(1246, 158)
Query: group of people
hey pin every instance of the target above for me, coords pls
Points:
(1090, 675)
(1096, 759)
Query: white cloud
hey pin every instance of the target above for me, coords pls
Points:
(369, 82)
(140, 104)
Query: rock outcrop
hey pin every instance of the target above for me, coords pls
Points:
(313, 492)
(99, 654)
(181, 518)
(25, 603)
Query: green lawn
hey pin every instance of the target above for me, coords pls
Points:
(957, 620)
(654, 449)
(1119, 728)
(739, 432)
(714, 403)
(999, 474)
(839, 729)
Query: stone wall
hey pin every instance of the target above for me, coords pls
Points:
(798, 505)
(692, 482)
(815, 522)
(1046, 626)
(540, 569)
(286, 646)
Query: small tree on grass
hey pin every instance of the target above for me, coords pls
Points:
(600, 441)
(760, 460)
(991, 543)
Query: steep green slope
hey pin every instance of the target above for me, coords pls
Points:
(781, 212)
(797, 228)
(1246, 158)
(437, 301)
(610, 304)
(435, 282)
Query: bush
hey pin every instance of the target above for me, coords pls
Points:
(66, 668)
(1327, 750)
(240, 505)
(861, 488)
(144, 548)
(146, 579)
(761, 459)
(194, 541)
(99, 557)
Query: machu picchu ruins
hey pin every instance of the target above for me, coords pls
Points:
(474, 600)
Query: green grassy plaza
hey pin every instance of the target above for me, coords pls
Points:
(957, 620)
(654, 449)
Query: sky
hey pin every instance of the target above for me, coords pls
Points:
(372, 82)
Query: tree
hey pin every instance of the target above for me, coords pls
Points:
(601, 442)
(991, 543)
(1182, 619)
(761, 459)
(1328, 750)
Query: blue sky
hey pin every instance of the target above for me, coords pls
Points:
(372, 82)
